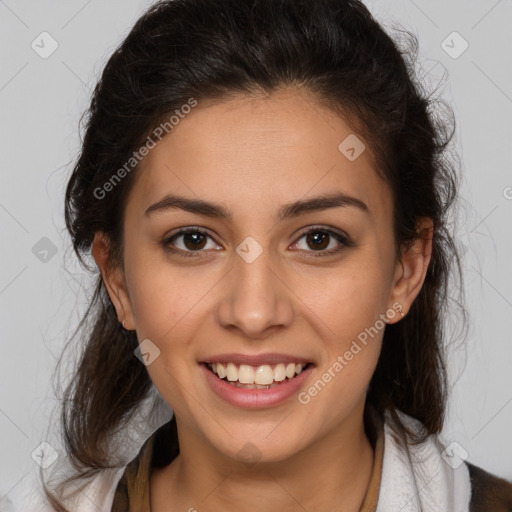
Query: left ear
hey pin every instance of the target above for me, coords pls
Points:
(411, 268)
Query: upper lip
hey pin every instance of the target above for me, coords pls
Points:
(255, 359)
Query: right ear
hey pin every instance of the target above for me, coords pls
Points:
(114, 279)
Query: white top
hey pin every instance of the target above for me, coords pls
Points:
(413, 479)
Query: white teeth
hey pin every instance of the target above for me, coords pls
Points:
(245, 374)
(279, 372)
(290, 370)
(257, 377)
(220, 371)
(263, 375)
(231, 372)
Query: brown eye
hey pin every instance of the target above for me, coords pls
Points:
(189, 241)
(322, 242)
(318, 239)
(194, 241)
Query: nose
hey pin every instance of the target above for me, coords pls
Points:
(256, 301)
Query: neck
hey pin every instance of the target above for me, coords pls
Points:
(332, 473)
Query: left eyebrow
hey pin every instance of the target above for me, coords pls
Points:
(290, 210)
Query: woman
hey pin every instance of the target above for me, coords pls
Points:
(264, 190)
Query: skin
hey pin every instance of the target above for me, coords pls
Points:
(253, 155)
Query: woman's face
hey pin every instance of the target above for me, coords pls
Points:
(248, 287)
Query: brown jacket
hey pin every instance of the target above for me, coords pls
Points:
(489, 493)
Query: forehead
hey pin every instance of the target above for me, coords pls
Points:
(261, 151)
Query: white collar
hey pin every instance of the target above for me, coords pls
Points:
(416, 478)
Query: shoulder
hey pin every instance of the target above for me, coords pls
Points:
(489, 493)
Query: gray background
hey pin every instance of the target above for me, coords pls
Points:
(42, 294)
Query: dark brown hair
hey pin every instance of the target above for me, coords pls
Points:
(209, 50)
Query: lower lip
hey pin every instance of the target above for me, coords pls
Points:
(255, 398)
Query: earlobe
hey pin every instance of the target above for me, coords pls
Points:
(113, 280)
(411, 269)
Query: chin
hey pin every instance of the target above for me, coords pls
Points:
(255, 448)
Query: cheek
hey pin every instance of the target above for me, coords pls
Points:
(349, 298)
(351, 331)
(164, 298)
(164, 312)
(350, 323)
(352, 346)
(156, 308)
(168, 304)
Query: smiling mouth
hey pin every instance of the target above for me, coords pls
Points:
(256, 377)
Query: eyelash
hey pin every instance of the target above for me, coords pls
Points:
(340, 237)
